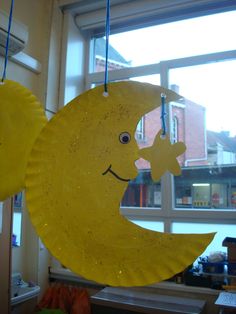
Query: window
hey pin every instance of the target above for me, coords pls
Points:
(175, 129)
(17, 219)
(191, 51)
(195, 58)
(209, 134)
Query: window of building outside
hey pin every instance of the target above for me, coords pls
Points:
(197, 58)
(175, 129)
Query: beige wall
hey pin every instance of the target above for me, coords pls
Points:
(37, 16)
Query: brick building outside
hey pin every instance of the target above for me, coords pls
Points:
(187, 124)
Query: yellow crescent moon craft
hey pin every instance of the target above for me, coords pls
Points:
(21, 119)
(77, 174)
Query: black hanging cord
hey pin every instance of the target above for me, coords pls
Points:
(107, 32)
(163, 114)
(7, 42)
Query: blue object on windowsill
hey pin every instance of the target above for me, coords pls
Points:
(14, 240)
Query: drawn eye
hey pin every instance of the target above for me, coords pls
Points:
(125, 138)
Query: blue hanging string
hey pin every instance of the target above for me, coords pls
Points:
(7, 42)
(107, 31)
(163, 114)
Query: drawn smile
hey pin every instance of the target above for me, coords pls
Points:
(114, 174)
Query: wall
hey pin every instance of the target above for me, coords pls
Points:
(5, 256)
(44, 23)
(36, 15)
(74, 61)
(53, 41)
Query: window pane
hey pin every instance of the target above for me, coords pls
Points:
(206, 123)
(115, 59)
(142, 192)
(152, 225)
(16, 230)
(222, 230)
(17, 219)
(174, 40)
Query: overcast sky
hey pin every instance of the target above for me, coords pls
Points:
(213, 85)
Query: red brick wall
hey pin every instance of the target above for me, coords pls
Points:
(191, 131)
(152, 125)
(178, 112)
(195, 133)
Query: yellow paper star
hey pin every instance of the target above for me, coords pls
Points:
(163, 156)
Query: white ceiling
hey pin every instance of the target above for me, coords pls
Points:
(85, 6)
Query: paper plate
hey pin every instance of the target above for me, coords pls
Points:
(21, 119)
(78, 171)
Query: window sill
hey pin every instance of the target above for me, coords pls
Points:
(27, 62)
(66, 275)
(184, 288)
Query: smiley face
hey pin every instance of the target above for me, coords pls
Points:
(125, 138)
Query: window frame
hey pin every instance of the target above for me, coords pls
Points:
(84, 79)
(168, 214)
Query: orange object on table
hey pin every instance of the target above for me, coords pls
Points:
(70, 300)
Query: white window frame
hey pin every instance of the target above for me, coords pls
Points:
(168, 214)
